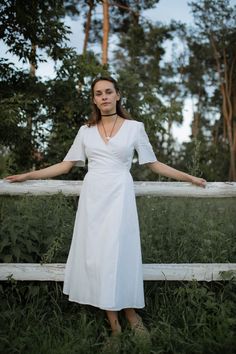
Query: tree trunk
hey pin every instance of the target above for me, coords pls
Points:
(32, 73)
(195, 124)
(32, 60)
(88, 25)
(227, 114)
(105, 5)
(232, 173)
(226, 85)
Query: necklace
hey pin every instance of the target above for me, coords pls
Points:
(108, 115)
(108, 137)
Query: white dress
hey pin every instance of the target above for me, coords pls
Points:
(104, 266)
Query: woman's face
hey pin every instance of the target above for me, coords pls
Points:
(105, 96)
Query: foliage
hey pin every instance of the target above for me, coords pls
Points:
(172, 230)
(186, 317)
(33, 23)
(39, 117)
(177, 230)
(209, 76)
(122, 15)
(21, 116)
(33, 228)
(182, 318)
(192, 317)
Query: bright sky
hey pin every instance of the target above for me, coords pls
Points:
(165, 11)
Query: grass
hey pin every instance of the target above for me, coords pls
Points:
(173, 230)
(183, 318)
(188, 230)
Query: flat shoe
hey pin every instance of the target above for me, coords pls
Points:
(140, 330)
(141, 335)
(112, 344)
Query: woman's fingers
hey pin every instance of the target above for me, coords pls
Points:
(201, 182)
(16, 178)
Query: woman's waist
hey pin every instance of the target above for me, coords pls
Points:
(113, 168)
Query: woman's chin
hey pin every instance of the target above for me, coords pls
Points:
(107, 111)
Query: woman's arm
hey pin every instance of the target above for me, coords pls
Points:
(48, 172)
(167, 171)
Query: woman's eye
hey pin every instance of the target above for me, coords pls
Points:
(100, 93)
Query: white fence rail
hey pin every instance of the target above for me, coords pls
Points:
(161, 189)
(174, 272)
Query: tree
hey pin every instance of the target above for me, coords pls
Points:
(27, 25)
(215, 21)
(105, 5)
(117, 17)
(21, 97)
(28, 28)
(91, 5)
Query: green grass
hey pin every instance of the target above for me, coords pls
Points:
(173, 230)
(188, 230)
(183, 318)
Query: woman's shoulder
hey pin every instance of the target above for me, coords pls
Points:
(83, 128)
(134, 123)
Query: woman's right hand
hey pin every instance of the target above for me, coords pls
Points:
(17, 178)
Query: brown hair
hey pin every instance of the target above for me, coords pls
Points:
(96, 114)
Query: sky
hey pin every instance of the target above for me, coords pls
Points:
(165, 11)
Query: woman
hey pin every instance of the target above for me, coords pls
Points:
(104, 266)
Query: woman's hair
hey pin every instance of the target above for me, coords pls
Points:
(96, 114)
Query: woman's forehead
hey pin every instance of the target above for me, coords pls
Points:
(103, 85)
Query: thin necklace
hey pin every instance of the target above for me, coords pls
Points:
(108, 137)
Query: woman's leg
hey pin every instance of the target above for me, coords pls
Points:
(136, 323)
(114, 322)
(131, 316)
(141, 333)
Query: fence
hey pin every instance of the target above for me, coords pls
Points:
(155, 271)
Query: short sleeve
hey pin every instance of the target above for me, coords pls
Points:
(143, 146)
(77, 149)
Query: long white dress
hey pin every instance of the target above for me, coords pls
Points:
(104, 266)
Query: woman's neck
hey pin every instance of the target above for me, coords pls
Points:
(108, 114)
(106, 118)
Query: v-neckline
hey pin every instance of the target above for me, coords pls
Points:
(112, 136)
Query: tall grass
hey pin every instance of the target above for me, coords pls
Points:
(187, 230)
(34, 229)
(183, 318)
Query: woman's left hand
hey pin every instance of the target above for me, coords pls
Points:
(200, 182)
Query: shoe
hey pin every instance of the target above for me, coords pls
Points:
(139, 328)
(140, 331)
(112, 344)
